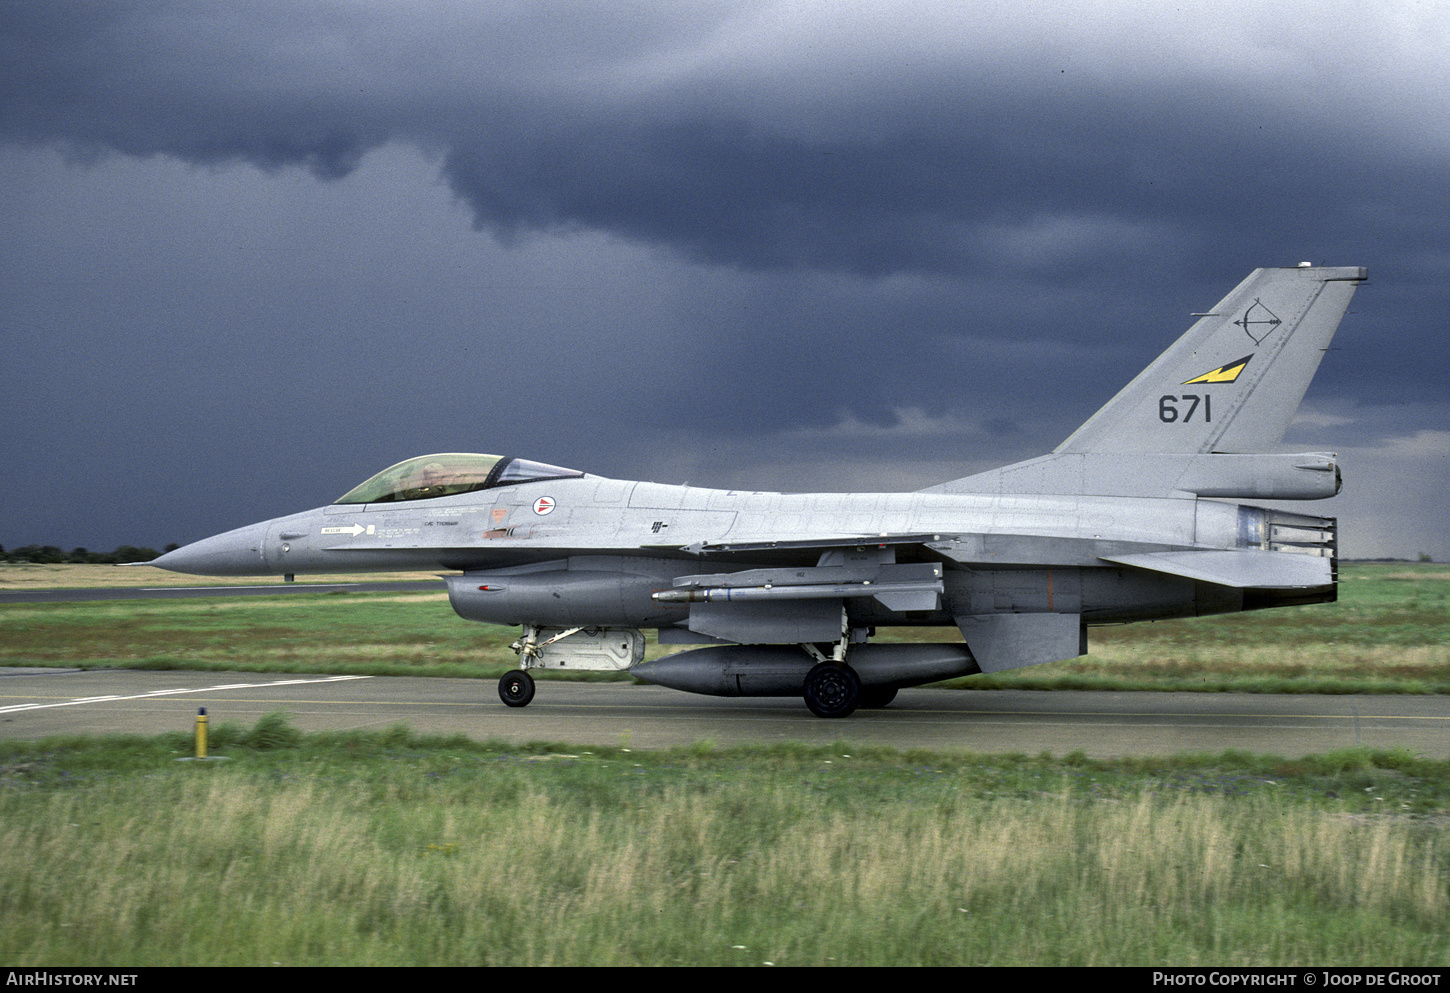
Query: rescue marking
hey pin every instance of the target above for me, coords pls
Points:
(354, 530)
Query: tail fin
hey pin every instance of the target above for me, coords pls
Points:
(1234, 381)
(1198, 421)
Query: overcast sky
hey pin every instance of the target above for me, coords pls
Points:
(251, 253)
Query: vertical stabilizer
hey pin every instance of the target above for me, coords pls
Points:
(1234, 381)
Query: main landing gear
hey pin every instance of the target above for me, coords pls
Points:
(832, 689)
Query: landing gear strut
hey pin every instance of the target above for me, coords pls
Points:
(832, 688)
(516, 688)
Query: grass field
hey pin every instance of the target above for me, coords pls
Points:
(1389, 633)
(387, 849)
(384, 849)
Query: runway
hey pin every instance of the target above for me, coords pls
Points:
(36, 703)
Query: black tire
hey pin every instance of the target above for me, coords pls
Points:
(876, 697)
(832, 689)
(516, 688)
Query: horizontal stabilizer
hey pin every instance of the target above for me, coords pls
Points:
(1245, 568)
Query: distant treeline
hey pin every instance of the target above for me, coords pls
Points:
(50, 555)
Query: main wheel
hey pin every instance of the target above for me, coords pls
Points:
(516, 688)
(832, 689)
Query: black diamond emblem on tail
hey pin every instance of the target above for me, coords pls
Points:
(1258, 322)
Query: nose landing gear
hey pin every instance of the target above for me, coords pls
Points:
(516, 688)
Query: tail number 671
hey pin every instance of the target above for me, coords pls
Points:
(1169, 411)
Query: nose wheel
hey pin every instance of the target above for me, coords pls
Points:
(516, 688)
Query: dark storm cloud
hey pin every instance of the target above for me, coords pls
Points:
(869, 244)
(1001, 149)
(743, 134)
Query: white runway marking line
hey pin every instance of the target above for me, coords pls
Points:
(155, 693)
(283, 588)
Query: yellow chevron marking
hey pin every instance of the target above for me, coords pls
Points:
(1223, 374)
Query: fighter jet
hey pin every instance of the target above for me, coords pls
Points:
(1131, 518)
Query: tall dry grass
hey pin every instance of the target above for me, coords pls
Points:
(251, 871)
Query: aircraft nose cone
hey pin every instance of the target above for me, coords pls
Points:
(235, 553)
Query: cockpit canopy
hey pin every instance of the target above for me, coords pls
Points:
(429, 476)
